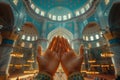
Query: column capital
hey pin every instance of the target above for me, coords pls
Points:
(9, 35)
(8, 38)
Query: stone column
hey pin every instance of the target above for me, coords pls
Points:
(113, 39)
(6, 47)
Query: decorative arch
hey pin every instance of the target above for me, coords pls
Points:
(114, 17)
(60, 32)
(91, 28)
(6, 16)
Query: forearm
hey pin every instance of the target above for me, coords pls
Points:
(75, 76)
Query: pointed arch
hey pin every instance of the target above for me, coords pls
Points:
(60, 32)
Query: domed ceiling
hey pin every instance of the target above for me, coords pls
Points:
(60, 10)
(47, 5)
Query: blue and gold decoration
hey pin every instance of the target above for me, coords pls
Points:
(75, 76)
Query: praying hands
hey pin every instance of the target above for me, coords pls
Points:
(59, 51)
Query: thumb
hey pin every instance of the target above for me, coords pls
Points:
(39, 51)
(81, 55)
(81, 50)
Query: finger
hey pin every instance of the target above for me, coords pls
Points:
(59, 47)
(55, 46)
(64, 44)
(81, 50)
(81, 56)
(39, 51)
(67, 45)
(51, 43)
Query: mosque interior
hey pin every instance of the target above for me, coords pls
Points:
(26, 24)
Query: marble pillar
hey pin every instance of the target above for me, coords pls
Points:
(6, 47)
(113, 39)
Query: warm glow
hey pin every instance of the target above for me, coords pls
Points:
(16, 54)
(18, 66)
(112, 64)
(32, 71)
(15, 2)
(95, 65)
(21, 77)
(91, 38)
(92, 72)
(92, 61)
(83, 71)
(83, 63)
(107, 54)
(77, 13)
(11, 65)
(105, 65)
(27, 65)
(30, 61)
(23, 37)
(107, 1)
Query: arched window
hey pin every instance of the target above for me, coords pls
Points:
(91, 38)
(28, 38)
(42, 13)
(59, 18)
(83, 37)
(50, 16)
(98, 44)
(54, 17)
(97, 36)
(36, 37)
(87, 38)
(33, 38)
(23, 37)
(69, 15)
(87, 6)
(33, 6)
(30, 45)
(64, 17)
(22, 44)
(101, 34)
(77, 13)
(37, 10)
(82, 10)
(15, 2)
(107, 1)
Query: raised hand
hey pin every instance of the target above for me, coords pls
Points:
(70, 61)
(50, 60)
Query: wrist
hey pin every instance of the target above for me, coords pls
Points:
(44, 76)
(45, 71)
(75, 76)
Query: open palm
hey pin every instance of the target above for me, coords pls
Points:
(50, 60)
(69, 60)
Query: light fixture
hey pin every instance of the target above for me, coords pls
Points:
(112, 65)
(16, 54)
(105, 65)
(26, 65)
(1, 26)
(107, 54)
(92, 61)
(95, 65)
(30, 71)
(92, 72)
(30, 61)
(83, 71)
(18, 66)
(11, 65)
